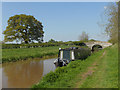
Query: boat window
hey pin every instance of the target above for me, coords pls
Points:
(73, 55)
(66, 54)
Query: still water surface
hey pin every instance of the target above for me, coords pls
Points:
(23, 74)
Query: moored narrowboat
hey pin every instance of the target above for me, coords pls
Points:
(67, 55)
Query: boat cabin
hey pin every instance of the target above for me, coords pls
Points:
(66, 54)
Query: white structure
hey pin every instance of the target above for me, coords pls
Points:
(101, 43)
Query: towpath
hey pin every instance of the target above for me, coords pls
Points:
(89, 71)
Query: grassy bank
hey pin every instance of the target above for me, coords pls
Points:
(100, 70)
(9, 55)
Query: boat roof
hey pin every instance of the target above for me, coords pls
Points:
(71, 48)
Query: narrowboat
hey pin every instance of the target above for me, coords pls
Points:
(67, 55)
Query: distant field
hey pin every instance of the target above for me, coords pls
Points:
(24, 53)
(100, 70)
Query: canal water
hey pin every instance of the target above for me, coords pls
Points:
(23, 74)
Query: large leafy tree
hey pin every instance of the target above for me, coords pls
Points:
(24, 28)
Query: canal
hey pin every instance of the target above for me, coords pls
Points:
(23, 74)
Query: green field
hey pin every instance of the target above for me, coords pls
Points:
(25, 53)
(100, 70)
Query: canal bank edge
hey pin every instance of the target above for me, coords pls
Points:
(29, 58)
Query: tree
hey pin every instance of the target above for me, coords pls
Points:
(84, 36)
(92, 40)
(112, 22)
(52, 41)
(24, 28)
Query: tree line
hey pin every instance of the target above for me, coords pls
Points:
(46, 44)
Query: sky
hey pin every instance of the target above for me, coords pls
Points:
(62, 21)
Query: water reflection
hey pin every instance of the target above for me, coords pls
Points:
(23, 74)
